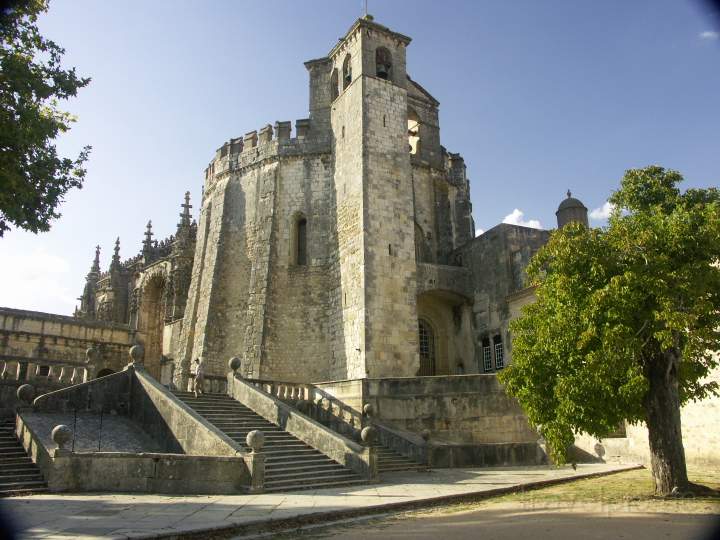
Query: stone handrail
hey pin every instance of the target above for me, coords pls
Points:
(252, 393)
(318, 405)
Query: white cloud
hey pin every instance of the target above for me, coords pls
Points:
(602, 213)
(478, 232)
(36, 278)
(709, 34)
(517, 218)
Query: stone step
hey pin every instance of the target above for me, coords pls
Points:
(21, 477)
(15, 492)
(273, 452)
(299, 461)
(307, 469)
(350, 480)
(306, 475)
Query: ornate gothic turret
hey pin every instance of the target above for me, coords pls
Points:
(183, 251)
(87, 300)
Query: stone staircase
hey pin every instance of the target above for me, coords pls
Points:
(391, 461)
(290, 464)
(18, 474)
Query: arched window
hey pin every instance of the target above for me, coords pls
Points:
(383, 63)
(413, 131)
(301, 241)
(347, 72)
(427, 348)
(334, 90)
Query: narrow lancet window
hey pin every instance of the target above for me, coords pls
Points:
(334, 88)
(347, 72)
(301, 242)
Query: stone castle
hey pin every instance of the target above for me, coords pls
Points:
(335, 265)
(343, 250)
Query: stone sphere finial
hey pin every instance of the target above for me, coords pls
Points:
(234, 364)
(425, 434)
(91, 354)
(26, 393)
(137, 354)
(62, 435)
(369, 410)
(255, 440)
(368, 435)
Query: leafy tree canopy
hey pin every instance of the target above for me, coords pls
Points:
(612, 303)
(33, 178)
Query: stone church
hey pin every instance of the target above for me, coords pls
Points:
(342, 248)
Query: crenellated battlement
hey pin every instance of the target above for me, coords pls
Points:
(266, 143)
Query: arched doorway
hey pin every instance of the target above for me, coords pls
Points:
(426, 341)
(151, 321)
(104, 373)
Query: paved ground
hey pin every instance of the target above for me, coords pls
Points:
(112, 433)
(513, 521)
(135, 516)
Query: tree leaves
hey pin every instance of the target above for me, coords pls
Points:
(33, 177)
(609, 301)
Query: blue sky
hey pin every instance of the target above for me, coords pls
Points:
(537, 96)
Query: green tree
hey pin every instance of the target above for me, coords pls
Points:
(33, 178)
(626, 321)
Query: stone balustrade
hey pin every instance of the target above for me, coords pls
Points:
(318, 405)
(57, 371)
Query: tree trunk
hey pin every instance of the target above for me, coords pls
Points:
(662, 405)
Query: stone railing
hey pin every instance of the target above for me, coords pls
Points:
(59, 371)
(318, 405)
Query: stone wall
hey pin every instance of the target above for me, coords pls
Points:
(701, 438)
(498, 259)
(459, 409)
(57, 339)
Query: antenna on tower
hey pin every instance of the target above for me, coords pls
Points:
(365, 7)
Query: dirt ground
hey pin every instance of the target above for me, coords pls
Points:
(620, 506)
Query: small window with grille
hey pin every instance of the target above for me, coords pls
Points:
(487, 355)
(499, 352)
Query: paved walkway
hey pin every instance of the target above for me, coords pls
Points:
(138, 516)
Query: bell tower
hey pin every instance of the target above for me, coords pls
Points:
(373, 184)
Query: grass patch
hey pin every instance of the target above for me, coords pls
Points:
(632, 490)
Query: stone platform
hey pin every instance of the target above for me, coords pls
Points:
(86, 516)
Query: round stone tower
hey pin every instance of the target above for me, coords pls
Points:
(571, 210)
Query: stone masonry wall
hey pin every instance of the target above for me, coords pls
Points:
(391, 314)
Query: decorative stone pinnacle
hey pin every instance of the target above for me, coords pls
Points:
(116, 255)
(96, 263)
(148, 242)
(185, 215)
